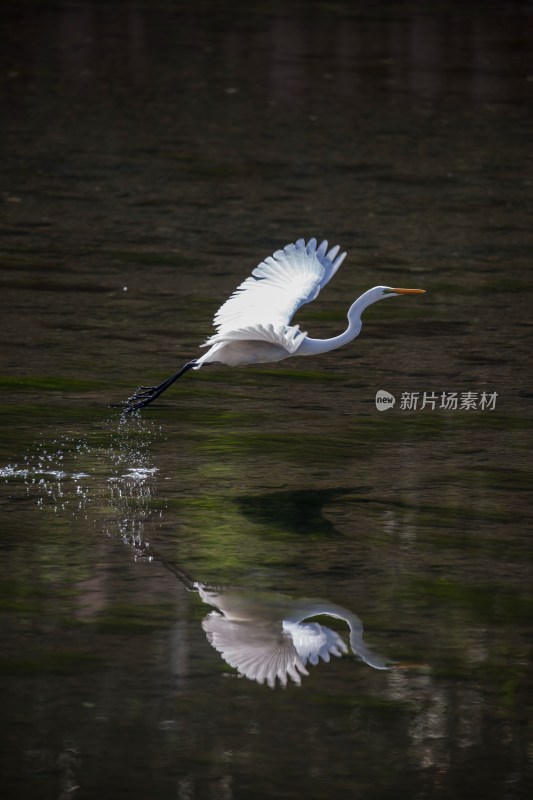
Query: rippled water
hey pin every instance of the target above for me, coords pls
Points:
(264, 586)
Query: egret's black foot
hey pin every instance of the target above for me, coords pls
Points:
(147, 394)
(141, 398)
(142, 393)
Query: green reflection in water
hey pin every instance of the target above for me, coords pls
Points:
(52, 382)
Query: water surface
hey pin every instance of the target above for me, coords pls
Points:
(153, 153)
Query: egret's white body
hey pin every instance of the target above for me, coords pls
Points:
(254, 324)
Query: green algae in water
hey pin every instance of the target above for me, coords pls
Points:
(52, 383)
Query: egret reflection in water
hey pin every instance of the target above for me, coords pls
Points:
(271, 637)
(266, 636)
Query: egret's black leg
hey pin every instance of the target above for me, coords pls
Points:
(147, 394)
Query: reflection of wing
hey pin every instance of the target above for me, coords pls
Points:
(314, 641)
(261, 652)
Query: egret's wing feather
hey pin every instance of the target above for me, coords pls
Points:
(280, 285)
(313, 641)
(260, 652)
(290, 337)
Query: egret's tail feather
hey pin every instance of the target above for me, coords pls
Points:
(147, 394)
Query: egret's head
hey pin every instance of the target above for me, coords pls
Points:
(372, 296)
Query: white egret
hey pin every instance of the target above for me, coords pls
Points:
(253, 325)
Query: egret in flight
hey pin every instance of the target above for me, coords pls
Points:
(254, 324)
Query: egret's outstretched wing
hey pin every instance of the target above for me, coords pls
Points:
(290, 337)
(259, 651)
(280, 285)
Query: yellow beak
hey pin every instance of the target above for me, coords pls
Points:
(409, 291)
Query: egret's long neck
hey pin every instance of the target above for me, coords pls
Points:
(315, 346)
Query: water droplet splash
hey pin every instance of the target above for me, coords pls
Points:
(112, 472)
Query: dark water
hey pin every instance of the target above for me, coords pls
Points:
(152, 154)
